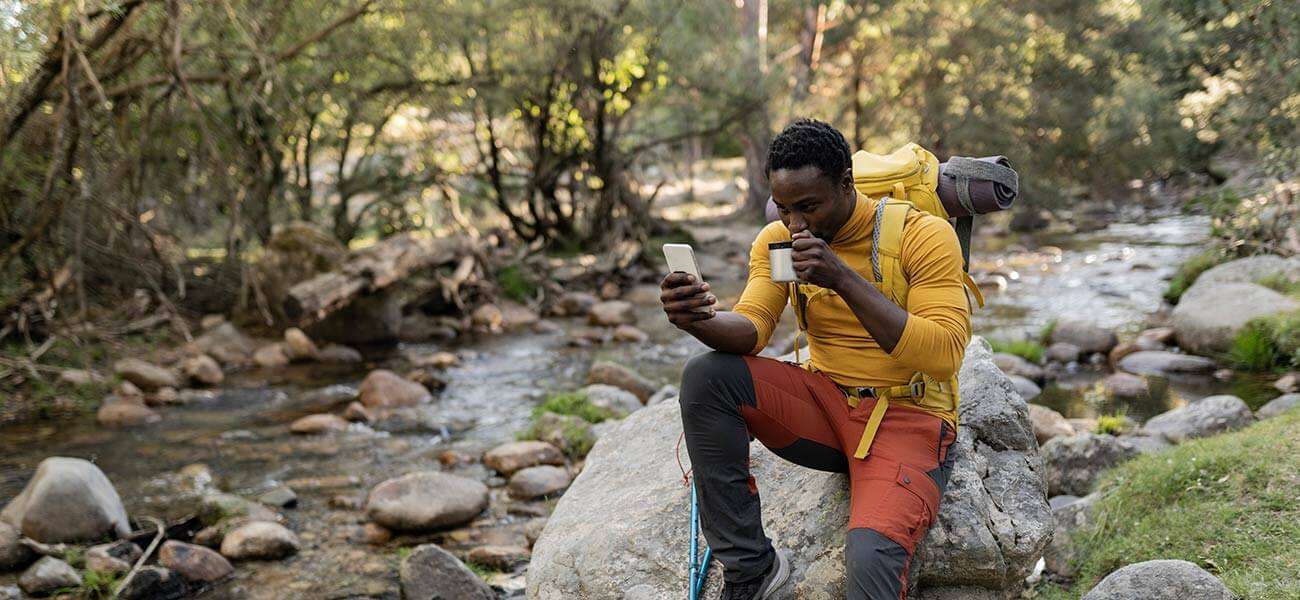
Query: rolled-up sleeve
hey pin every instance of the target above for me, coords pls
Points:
(763, 300)
(938, 323)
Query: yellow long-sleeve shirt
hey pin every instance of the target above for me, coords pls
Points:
(938, 323)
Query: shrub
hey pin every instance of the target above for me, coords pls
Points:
(1029, 350)
(572, 403)
(1268, 343)
(515, 284)
(1190, 270)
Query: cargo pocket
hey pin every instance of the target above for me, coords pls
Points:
(919, 485)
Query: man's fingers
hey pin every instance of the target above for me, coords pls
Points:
(802, 244)
(690, 303)
(676, 279)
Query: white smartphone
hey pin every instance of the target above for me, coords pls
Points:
(681, 258)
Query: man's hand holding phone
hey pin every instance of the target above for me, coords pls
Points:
(686, 299)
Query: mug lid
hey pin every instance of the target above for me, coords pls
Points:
(780, 245)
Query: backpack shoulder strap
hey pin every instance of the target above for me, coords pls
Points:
(887, 248)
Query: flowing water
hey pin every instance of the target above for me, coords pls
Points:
(1113, 277)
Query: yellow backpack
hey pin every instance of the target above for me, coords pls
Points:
(904, 180)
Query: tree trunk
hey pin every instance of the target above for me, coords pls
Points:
(756, 131)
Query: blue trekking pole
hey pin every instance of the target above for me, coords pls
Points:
(699, 571)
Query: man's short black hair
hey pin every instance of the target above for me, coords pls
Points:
(810, 142)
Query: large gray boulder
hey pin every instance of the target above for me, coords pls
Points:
(621, 528)
(67, 500)
(1207, 416)
(1278, 406)
(1209, 315)
(1160, 580)
(1250, 270)
(1074, 462)
(1087, 337)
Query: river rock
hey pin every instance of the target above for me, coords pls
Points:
(67, 500)
(1069, 517)
(612, 313)
(338, 354)
(385, 389)
(1145, 443)
(1087, 337)
(195, 563)
(1163, 363)
(322, 423)
(298, 345)
(79, 377)
(47, 576)
(117, 557)
(1124, 349)
(219, 506)
(155, 583)
(1125, 385)
(259, 540)
(116, 412)
(1026, 388)
(1160, 580)
(163, 397)
(1074, 462)
(271, 356)
(1278, 406)
(511, 457)
(1207, 416)
(577, 304)
(1015, 365)
(13, 555)
(668, 391)
(627, 508)
(357, 412)
(147, 376)
(227, 345)
(501, 558)
(425, 501)
(1209, 316)
(487, 316)
(431, 573)
(517, 316)
(11, 592)
(203, 370)
(539, 481)
(281, 496)
(1288, 383)
(628, 333)
(620, 376)
(1048, 423)
(618, 401)
(1063, 352)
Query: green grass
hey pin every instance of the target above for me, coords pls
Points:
(1190, 270)
(515, 284)
(1227, 503)
(482, 571)
(1268, 343)
(1029, 350)
(97, 584)
(1045, 332)
(1280, 283)
(1112, 424)
(572, 403)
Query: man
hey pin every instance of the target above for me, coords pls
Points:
(820, 415)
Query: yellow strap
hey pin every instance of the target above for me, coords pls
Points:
(892, 280)
(900, 192)
(873, 423)
(974, 289)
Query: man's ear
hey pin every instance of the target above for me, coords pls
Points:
(847, 180)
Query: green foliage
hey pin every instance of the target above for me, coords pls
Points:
(1029, 350)
(97, 584)
(515, 284)
(482, 571)
(1280, 283)
(1190, 270)
(1226, 503)
(1111, 424)
(1268, 343)
(575, 437)
(1045, 332)
(572, 403)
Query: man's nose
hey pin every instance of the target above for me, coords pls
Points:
(797, 224)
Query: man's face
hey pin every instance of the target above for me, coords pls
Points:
(809, 200)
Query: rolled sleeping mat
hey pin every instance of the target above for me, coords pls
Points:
(975, 186)
(771, 212)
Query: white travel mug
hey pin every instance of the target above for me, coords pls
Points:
(781, 257)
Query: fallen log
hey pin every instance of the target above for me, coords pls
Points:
(366, 271)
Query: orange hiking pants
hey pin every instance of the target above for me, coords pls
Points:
(803, 417)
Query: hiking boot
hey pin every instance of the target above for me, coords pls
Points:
(760, 588)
